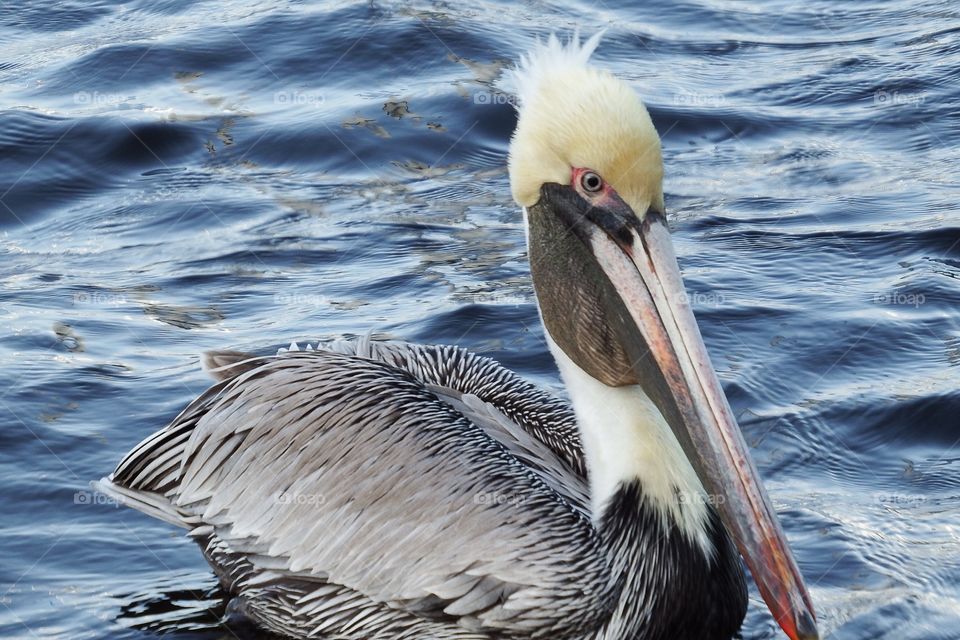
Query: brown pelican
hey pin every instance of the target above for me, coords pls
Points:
(369, 490)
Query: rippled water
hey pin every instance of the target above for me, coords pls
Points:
(178, 176)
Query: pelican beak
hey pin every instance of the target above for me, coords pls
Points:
(662, 350)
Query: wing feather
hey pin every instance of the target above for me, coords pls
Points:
(348, 495)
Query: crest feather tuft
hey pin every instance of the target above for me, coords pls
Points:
(547, 58)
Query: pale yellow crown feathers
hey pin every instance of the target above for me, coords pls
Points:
(574, 115)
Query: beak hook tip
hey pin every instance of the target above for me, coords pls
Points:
(807, 626)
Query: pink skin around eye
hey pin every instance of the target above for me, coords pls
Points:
(597, 197)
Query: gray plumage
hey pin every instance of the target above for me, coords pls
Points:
(372, 490)
(339, 496)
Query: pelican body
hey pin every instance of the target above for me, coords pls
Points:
(367, 490)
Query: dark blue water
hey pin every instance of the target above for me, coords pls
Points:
(178, 176)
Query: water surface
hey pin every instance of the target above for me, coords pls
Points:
(178, 176)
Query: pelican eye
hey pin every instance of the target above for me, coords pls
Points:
(591, 182)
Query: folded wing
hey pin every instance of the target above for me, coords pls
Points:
(379, 496)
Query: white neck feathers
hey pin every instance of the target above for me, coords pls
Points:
(625, 438)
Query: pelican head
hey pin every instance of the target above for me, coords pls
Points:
(586, 166)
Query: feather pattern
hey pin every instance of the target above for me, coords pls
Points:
(371, 490)
(320, 476)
